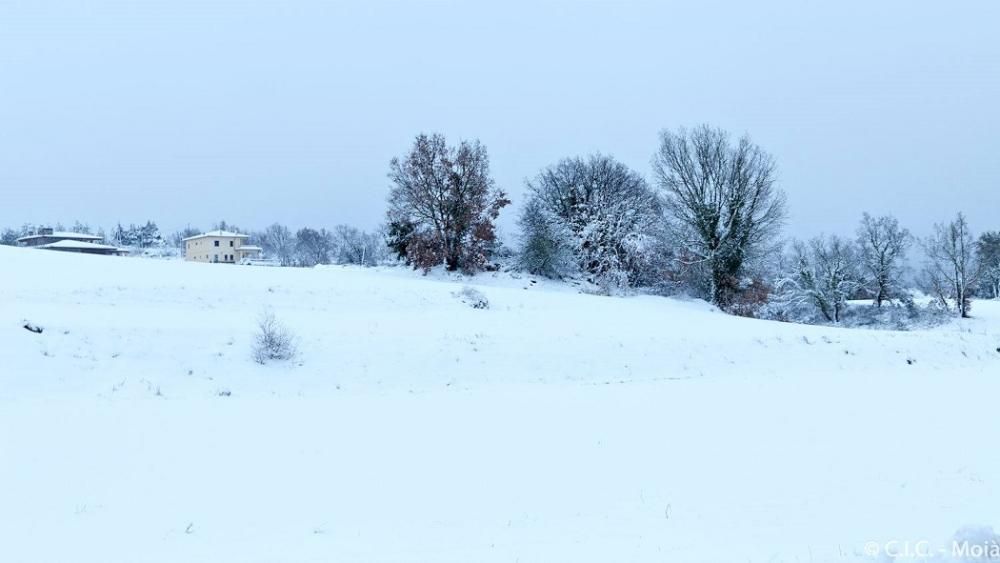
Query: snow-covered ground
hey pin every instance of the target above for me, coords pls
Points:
(553, 426)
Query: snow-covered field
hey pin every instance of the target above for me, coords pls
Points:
(553, 426)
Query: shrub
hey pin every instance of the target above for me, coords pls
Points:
(750, 299)
(273, 340)
(901, 314)
(473, 298)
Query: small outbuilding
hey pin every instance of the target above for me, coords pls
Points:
(48, 236)
(63, 241)
(83, 247)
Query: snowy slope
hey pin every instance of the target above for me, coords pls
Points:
(554, 426)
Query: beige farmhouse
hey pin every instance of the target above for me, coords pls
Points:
(222, 247)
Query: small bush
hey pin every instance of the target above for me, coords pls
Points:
(273, 341)
(750, 300)
(901, 314)
(473, 298)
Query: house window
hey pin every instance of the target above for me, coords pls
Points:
(230, 244)
(216, 243)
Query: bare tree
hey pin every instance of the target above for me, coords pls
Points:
(449, 198)
(952, 271)
(278, 242)
(722, 199)
(599, 210)
(176, 240)
(79, 227)
(355, 246)
(825, 275)
(988, 254)
(313, 247)
(882, 244)
(225, 226)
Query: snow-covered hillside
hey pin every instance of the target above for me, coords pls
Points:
(553, 426)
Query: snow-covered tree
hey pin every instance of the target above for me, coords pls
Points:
(599, 211)
(882, 244)
(354, 246)
(313, 247)
(546, 247)
(148, 235)
(447, 196)
(124, 236)
(9, 237)
(81, 228)
(722, 200)
(952, 271)
(278, 242)
(824, 273)
(397, 237)
(988, 255)
(137, 236)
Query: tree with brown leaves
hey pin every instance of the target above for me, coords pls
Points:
(447, 196)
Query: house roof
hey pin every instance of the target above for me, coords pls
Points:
(62, 235)
(218, 234)
(249, 247)
(77, 245)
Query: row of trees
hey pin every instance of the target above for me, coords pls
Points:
(708, 225)
(309, 247)
(133, 236)
(711, 213)
(137, 236)
(828, 271)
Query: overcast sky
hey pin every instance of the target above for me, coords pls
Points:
(188, 112)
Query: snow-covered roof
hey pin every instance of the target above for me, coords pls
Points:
(249, 247)
(62, 235)
(218, 234)
(77, 245)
